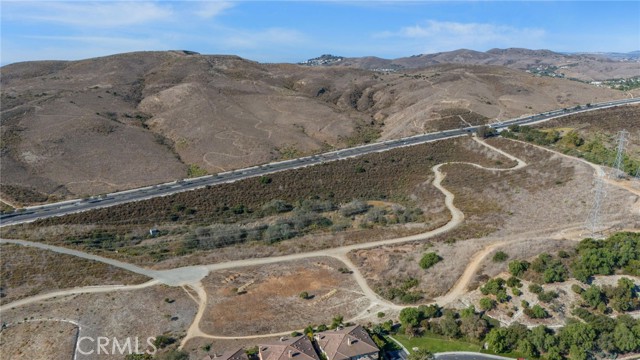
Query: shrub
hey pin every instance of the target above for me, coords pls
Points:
(304, 295)
(429, 259)
(514, 282)
(516, 291)
(536, 312)
(577, 289)
(487, 304)
(517, 267)
(353, 208)
(547, 296)
(535, 288)
(500, 256)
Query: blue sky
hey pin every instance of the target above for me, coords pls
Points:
(292, 31)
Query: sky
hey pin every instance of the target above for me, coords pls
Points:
(293, 31)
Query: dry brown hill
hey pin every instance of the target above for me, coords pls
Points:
(586, 67)
(122, 121)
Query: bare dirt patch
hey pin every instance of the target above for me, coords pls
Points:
(27, 271)
(266, 299)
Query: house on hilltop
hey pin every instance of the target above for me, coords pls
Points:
(350, 343)
(296, 348)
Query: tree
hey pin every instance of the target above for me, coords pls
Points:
(410, 316)
(539, 337)
(497, 340)
(449, 327)
(593, 296)
(420, 354)
(486, 131)
(474, 327)
(336, 321)
(555, 272)
(517, 267)
(624, 339)
(526, 347)
(429, 259)
(554, 353)
(430, 311)
(577, 334)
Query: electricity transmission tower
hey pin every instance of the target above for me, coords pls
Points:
(600, 192)
(618, 170)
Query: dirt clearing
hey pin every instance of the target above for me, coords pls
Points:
(267, 299)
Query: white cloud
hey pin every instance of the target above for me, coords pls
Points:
(90, 14)
(211, 9)
(444, 35)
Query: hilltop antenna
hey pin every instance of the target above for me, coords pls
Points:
(618, 171)
(600, 192)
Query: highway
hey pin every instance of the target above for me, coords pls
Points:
(33, 213)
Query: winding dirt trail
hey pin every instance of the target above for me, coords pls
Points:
(191, 277)
(77, 291)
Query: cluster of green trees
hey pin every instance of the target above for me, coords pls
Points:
(621, 298)
(620, 251)
(579, 340)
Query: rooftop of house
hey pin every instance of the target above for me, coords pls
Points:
(296, 348)
(238, 354)
(346, 343)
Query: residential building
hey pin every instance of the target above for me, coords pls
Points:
(296, 348)
(350, 343)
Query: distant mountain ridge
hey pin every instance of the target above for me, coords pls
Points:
(86, 127)
(582, 66)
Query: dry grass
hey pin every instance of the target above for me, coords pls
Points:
(38, 340)
(603, 124)
(510, 206)
(28, 271)
(121, 314)
(272, 304)
(338, 181)
(70, 128)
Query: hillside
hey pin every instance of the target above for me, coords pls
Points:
(583, 66)
(99, 125)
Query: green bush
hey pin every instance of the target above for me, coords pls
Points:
(535, 288)
(429, 259)
(487, 304)
(500, 256)
(517, 267)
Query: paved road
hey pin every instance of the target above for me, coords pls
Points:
(33, 213)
